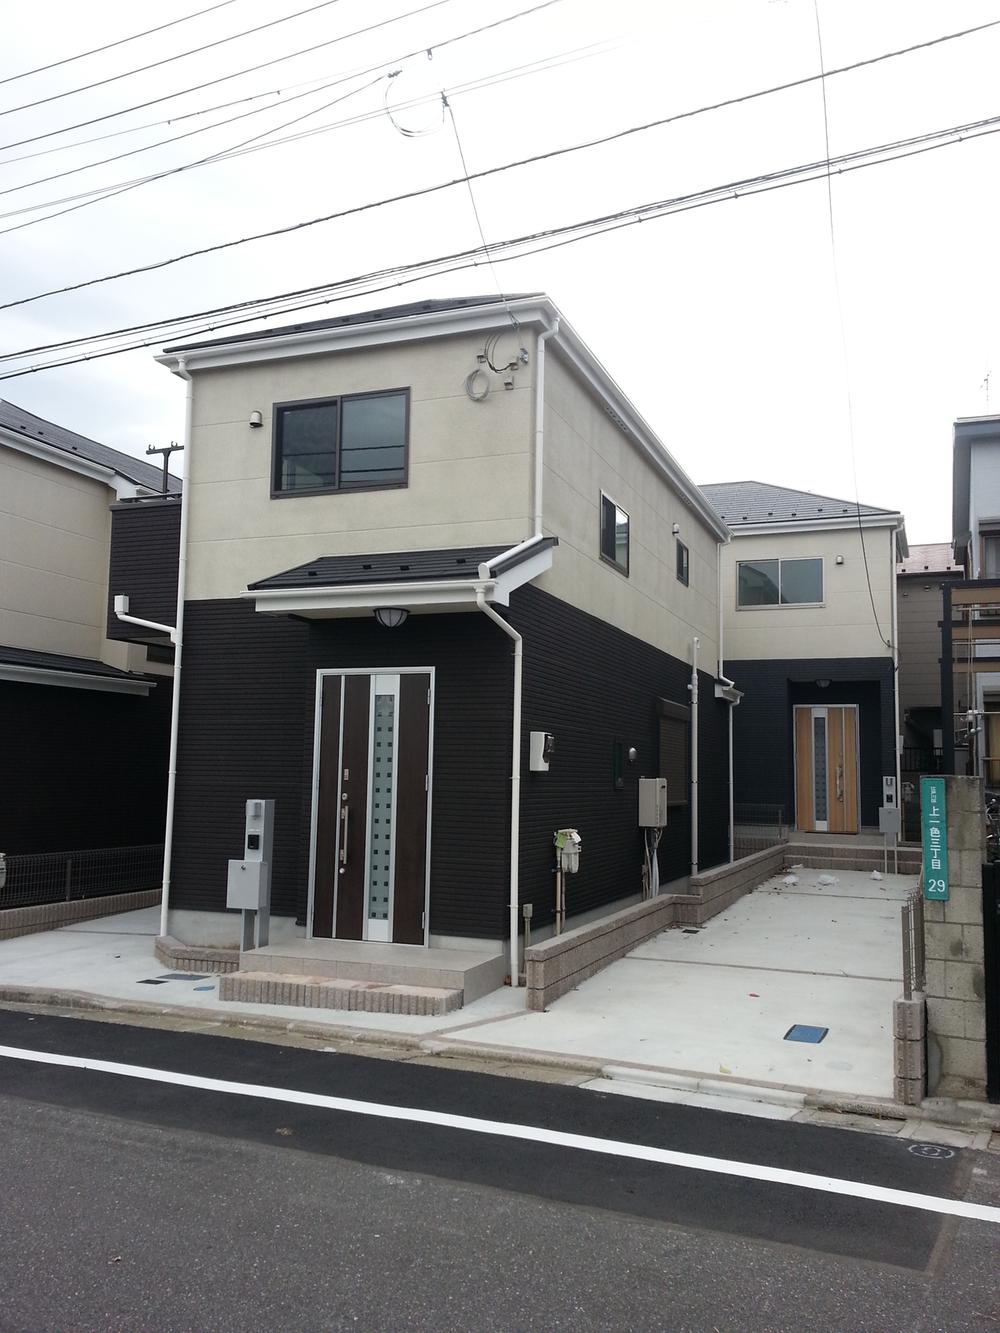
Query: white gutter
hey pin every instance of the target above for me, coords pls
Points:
(694, 755)
(121, 611)
(178, 638)
(515, 782)
(895, 665)
(543, 337)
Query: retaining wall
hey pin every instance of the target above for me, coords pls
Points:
(16, 921)
(561, 963)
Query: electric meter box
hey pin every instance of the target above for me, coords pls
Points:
(248, 885)
(652, 802)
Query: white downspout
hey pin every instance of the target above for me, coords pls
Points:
(543, 337)
(895, 667)
(721, 674)
(515, 784)
(694, 755)
(178, 637)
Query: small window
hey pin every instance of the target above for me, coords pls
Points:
(779, 582)
(614, 534)
(337, 444)
(683, 563)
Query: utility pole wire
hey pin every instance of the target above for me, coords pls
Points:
(548, 239)
(278, 60)
(109, 46)
(489, 171)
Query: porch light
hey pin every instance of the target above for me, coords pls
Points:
(822, 684)
(391, 617)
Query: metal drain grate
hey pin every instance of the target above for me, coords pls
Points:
(803, 1032)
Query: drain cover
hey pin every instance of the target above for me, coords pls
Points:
(803, 1032)
(151, 981)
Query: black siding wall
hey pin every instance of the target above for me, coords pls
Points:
(764, 766)
(145, 541)
(82, 768)
(247, 711)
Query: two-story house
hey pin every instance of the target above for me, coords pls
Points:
(84, 718)
(445, 593)
(809, 608)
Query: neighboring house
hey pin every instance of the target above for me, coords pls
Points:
(919, 580)
(368, 496)
(809, 606)
(971, 637)
(84, 720)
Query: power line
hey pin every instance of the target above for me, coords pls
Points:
(489, 171)
(166, 60)
(109, 46)
(840, 320)
(501, 251)
(277, 60)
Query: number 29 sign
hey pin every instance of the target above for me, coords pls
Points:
(934, 831)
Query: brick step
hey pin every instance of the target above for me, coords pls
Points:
(371, 997)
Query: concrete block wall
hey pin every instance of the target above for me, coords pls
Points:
(953, 940)
(16, 921)
(557, 965)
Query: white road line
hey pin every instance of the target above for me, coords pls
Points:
(532, 1133)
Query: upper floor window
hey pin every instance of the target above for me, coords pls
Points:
(990, 548)
(614, 533)
(683, 563)
(779, 582)
(355, 442)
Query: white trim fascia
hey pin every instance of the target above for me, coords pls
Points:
(73, 680)
(814, 525)
(347, 337)
(124, 488)
(410, 328)
(525, 572)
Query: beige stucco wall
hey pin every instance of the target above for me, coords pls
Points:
(585, 454)
(469, 464)
(55, 530)
(843, 626)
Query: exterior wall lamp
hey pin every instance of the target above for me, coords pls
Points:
(391, 617)
(823, 684)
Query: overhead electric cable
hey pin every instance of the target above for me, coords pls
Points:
(109, 46)
(501, 251)
(291, 55)
(843, 330)
(166, 60)
(489, 171)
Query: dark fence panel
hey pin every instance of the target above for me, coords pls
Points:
(54, 877)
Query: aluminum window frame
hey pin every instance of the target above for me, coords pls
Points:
(779, 605)
(625, 569)
(277, 409)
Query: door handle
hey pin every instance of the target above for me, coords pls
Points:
(344, 825)
(840, 782)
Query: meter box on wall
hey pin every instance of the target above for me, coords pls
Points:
(652, 802)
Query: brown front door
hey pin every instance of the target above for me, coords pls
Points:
(827, 769)
(371, 815)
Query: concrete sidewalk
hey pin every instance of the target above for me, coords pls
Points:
(696, 1016)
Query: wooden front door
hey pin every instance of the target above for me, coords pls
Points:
(827, 782)
(371, 814)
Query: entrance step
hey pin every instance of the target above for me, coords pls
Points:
(308, 992)
(473, 974)
(849, 856)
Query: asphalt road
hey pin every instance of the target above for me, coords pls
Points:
(132, 1203)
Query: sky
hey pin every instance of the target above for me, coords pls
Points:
(755, 344)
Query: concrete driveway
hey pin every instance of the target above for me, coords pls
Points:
(717, 1002)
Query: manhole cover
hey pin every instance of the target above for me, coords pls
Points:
(937, 1152)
